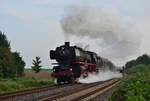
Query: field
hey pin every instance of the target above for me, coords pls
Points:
(43, 74)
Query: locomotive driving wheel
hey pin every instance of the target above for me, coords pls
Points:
(71, 80)
(62, 80)
(59, 81)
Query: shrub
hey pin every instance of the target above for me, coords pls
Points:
(137, 87)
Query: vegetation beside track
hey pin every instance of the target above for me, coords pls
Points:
(15, 84)
(12, 70)
(137, 85)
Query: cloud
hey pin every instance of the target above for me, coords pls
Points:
(144, 29)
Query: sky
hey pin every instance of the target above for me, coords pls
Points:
(33, 26)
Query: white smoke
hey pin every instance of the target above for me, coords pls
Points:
(102, 31)
(101, 76)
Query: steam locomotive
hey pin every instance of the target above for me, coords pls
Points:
(74, 62)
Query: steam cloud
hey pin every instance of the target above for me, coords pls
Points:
(101, 76)
(104, 31)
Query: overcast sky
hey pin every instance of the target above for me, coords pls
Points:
(33, 26)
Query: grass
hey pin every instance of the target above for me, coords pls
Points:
(136, 87)
(15, 84)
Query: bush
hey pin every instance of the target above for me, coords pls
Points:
(137, 87)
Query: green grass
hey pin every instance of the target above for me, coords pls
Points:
(10, 85)
(136, 87)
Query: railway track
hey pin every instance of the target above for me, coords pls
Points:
(84, 93)
(33, 94)
(70, 92)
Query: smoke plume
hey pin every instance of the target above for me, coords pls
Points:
(104, 31)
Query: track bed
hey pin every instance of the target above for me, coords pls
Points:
(69, 92)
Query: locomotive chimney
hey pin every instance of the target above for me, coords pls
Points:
(67, 44)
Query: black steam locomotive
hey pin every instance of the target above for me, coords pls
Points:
(74, 62)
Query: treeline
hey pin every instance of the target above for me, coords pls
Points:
(144, 59)
(11, 63)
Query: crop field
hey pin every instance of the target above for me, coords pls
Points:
(43, 74)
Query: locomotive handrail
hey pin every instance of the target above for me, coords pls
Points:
(55, 63)
(85, 63)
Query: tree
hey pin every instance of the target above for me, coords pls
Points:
(4, 43)
(11, 64)
(7, 66)
(130, 64)
(19, 64)
(36, 64)
(144, 59)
